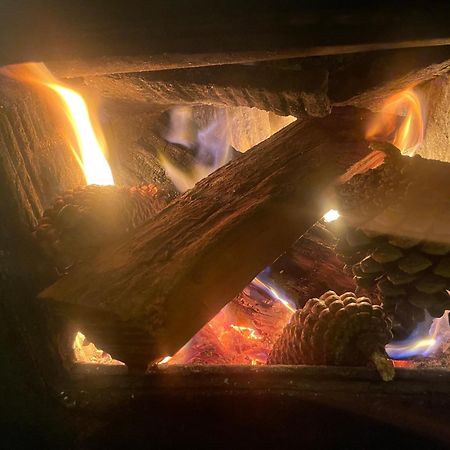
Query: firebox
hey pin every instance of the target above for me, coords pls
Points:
(225, 225)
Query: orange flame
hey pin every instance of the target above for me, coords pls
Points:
(409, 135)
(91, 147)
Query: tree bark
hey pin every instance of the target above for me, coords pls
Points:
(146, 296)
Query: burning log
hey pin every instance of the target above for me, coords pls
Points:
(145, 296)
(244, 331)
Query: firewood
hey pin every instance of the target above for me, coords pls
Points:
(148, 294)
(310, 267)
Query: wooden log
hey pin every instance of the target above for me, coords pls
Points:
(35, 164)
(114, 36)
(310, 267)
(146, 296)
(299, 87)
(282, 91)
(409, 198)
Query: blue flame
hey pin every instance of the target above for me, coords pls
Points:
(211, 145)
(428, 338)
(264, 283)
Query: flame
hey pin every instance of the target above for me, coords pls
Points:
(90, 144)
(86, 352)
(262, 282)
(247, 332)
(331, 216)
(244, 330)
(421, 343)
(409, 134)
(165, 360)
(210, 144)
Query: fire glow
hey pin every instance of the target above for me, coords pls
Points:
(244, 330)
(86, 352)
(421, 343)
(211, 145)
(90, 144)
(410, 133)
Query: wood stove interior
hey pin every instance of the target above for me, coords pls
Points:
(241, 142)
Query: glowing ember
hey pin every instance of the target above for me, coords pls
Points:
(331, 216)
(409, 135)
(90, 144)
(243, 332)
(165, 360)
(86, 352)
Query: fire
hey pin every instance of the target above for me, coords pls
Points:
(89, 151)
(210, 144)
(331, 215)
(87, 352)
(165, 360)
(423, 342)
(90, 144)
(244, 330)
(409, 134)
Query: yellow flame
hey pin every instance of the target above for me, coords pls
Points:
(95, 166)
(331, 215)
(90, 152)
(165, 360)
(86, 352)
(409, 134)
(248, 332)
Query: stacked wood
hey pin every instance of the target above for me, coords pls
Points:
(147, 295)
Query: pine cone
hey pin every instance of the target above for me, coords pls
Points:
(412, 276)
(86, 218)
(336, 330)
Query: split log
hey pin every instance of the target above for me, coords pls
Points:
(146, 296)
